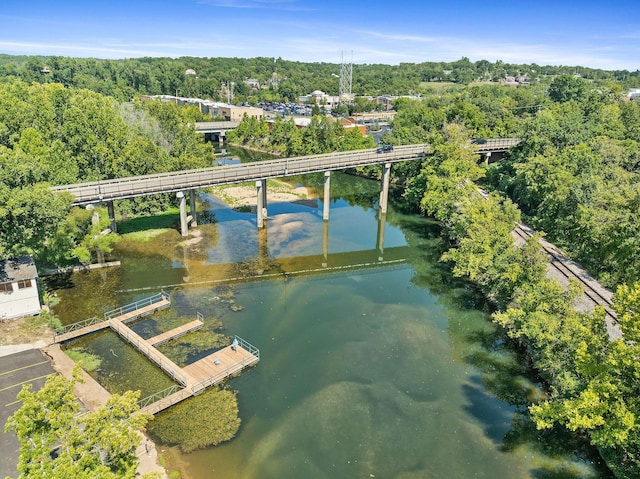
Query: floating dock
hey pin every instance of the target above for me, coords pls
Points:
(193, 378)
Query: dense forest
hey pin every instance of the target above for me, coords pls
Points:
(574, 177)
(53, 135)
(280, 80)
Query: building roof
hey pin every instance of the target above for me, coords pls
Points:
(15, 269)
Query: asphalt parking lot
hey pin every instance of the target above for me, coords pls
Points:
(16, 370)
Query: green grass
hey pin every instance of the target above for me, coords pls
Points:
(163, 221)
(88, 361)
(146, 235)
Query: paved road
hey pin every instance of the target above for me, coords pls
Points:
(16, 370)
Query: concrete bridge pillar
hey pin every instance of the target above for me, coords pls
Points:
(327, 195)
(192, 208)
(112, 216)
(384, 190)
(382, 219)
(260, 206)
(184, 225)
(264, 199)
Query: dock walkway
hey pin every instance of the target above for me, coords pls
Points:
(175, 333)
(193, 378)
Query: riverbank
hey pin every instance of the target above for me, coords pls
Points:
(244, 196)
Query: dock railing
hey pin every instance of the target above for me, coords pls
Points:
(75, 326)
(248, 346)
(220, 376)
(149, 351)
(155, 397)
(142, 303)
(230, 370)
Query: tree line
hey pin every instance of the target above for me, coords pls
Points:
(283, 80)
(283, 137)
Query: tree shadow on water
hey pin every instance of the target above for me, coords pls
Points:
(495, 417)
(505, 375)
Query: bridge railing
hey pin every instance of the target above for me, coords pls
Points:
(142, 303)
(75, 326)
(200, 178)
(498, 144)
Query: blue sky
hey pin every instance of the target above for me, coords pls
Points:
(587, 33)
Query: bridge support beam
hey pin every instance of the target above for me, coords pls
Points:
(264, 199)
(384, 190)
(261, 210)
(192, 208)
(184, 225)
(327, 195)
(112, 216)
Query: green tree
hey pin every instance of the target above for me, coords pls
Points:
(56, 443)
(604, 400)
(566, 88)
(30, 216)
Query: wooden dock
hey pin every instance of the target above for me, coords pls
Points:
(76, 333)
(138, 309)
(175, 333)
(194, 378)
(219, 366)
(147, 349)
(207, 372)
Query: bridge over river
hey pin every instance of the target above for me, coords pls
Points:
(188, 180)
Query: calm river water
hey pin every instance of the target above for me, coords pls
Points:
(375, 362)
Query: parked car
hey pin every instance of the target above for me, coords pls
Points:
(384, 148)
(479, 141)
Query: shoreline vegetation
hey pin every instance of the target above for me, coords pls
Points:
(574, 176)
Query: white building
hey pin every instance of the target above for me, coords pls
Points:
(321, 98)
(18, 288)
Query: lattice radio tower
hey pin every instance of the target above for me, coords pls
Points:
(346, 77)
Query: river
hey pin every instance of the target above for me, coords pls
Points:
(375, 361)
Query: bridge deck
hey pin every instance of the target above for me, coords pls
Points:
(130, 187)
(175, 333)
